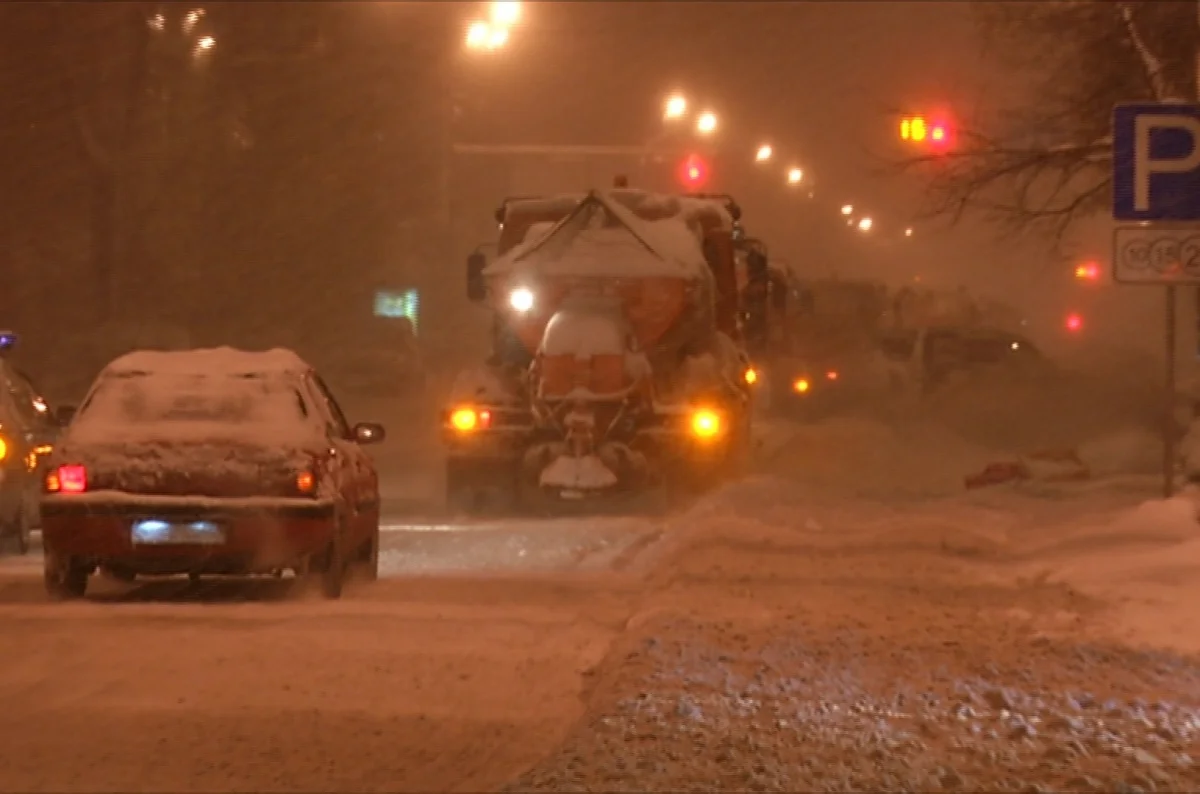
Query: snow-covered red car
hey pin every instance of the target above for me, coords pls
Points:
(209, 462)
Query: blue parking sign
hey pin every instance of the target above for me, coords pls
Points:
(1156, 162)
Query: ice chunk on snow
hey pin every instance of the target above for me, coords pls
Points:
(585, 473)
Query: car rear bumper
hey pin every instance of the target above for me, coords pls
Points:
(257, 535)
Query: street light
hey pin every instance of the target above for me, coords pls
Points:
(847, 209)
(497, 39)
(191, 18)
(764, 153)
(478, 34)
(865, 225)
(675, 107)
(506, 14)
(485, 36)
(707, 123)
(794, 175)
(908, 232)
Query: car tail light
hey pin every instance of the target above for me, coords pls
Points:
(67, 479)
(306, 483)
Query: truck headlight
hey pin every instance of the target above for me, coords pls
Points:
(521, 299)
(706, 423)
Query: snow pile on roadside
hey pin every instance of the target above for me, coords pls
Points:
(868, 458)
(1027, 410)
(729, 705)
(1144, 561)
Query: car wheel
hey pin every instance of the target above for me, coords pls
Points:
(64, 578)
(23, 532)
(371, 556)
(333, 573)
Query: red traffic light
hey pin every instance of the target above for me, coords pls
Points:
(935, 133)
(693, 172)
(1089, 271)
(1073, 323)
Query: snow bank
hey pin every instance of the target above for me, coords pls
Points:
(1144, 561)
(603, 238)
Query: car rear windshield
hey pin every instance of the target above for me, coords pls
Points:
(160, 398)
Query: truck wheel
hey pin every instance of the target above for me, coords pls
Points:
(22, 532)
(64, 578)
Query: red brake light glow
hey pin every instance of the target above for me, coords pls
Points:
(72, 479)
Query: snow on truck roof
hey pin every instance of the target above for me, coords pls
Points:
(209, 361)
(603, 237)
(659, 204)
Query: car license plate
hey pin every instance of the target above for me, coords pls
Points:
(159, 532)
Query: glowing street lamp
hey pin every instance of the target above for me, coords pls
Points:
(707, 123)
(675, 107)
(847, 209)
(763, 154)
(497, 38)
(794, 175)
(478, 35)
(908, 232)
(505, 14)
(865, 225)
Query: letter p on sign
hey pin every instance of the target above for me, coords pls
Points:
(1145, 164)
(1156, 162)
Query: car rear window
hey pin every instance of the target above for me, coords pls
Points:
(161, 398)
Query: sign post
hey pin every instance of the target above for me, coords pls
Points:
(1156, 183)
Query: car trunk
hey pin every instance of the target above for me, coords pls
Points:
(229, 469)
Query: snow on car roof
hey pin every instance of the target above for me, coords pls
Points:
(602, 237)
(210, 361)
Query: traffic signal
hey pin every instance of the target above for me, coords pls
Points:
(1073, 322)
(1088, 271)
(693, 172)
(935, 133)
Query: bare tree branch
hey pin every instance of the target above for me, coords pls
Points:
(1043, 163)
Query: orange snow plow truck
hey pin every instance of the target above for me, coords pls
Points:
(616, 367)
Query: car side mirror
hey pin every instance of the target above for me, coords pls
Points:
(476, 286)
(369, 433)
(63, 415)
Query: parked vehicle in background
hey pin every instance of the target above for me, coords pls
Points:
(209, 462)
(28, 430)
(388, 364)
(926, 359)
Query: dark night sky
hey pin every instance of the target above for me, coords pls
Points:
(817, 79)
